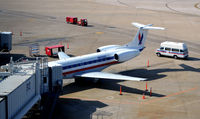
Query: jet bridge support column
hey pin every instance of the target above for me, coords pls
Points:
(55, 87)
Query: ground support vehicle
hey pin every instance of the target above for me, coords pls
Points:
(83, 22)
(172, 49)
(52, 51)
(71, 20)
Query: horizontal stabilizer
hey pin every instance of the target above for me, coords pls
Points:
(62, 55)
(103, 75)
(149, 26)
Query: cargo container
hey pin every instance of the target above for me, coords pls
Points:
(5, 41)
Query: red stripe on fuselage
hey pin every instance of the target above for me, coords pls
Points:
(92, 67)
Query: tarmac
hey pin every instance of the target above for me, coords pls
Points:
(174, 82)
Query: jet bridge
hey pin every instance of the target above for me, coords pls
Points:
(25, 83)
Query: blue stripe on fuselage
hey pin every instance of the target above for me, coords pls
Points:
(87, 62)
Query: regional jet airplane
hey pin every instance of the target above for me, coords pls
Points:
(91, 65)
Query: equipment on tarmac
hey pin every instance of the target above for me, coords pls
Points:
(71, 20)
(5, 41)
(82, 22)
(52, 51)
(74, 20)
(172, 49)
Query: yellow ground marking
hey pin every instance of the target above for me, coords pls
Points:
(99, 32)
(31, 20)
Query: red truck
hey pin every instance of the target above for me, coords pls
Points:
(72, 20)
(82, 22)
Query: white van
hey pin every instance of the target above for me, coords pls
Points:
(173, 49)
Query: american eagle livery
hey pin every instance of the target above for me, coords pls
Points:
(91, 65)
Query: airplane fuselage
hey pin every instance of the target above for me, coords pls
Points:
(88, 63)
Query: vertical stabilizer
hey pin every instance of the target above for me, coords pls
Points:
(140, 38)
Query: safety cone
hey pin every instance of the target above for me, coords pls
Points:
(67, 45)
(148, 63)
(143, 97)
(146, 87)
(20, 33)
(120, 90)
(150, 91)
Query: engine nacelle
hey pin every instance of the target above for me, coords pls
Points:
(108, 47)
(125, 55)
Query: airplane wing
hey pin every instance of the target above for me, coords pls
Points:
(103, 75)
(62, 55)
(149, 26)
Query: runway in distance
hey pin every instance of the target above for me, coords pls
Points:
(91, 65)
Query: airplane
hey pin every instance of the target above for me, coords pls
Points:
(91, 65)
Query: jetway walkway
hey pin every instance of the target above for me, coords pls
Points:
(25, 84)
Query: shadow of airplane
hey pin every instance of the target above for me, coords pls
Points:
(103, 84)
(153, 74)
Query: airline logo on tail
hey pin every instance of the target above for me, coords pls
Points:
(140, 38)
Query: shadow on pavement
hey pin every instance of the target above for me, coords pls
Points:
(154, 74)
(69, 108)
(5, 58)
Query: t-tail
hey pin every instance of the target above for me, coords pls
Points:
(140, 38)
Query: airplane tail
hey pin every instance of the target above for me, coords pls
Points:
(140, 38)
